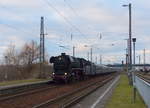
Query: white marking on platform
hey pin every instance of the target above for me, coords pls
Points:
(107, 90)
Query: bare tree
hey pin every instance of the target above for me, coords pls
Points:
(24, 62)
(29, 53)
(10, 56)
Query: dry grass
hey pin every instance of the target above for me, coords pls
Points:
(123, 96)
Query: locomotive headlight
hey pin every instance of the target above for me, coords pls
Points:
(65, 73)
(53, 73)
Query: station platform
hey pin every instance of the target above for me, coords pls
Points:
(14, 86)
(98, 98)
(122, 96)
(115, 94)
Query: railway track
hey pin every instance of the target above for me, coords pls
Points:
(144, 77)
(66, 100)
(25, 93)
(16, 89)
(65, 95)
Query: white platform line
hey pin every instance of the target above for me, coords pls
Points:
(107, 90)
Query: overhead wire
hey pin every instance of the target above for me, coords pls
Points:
(67, 21)
(73, 10)
(15, 28)
(98, 35)
(65, 18)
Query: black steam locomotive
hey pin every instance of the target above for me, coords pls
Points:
(67, 68)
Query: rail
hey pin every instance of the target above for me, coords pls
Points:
(29, 92)
(72, 97)
(143, 88)
(145, 77)
(20, 88)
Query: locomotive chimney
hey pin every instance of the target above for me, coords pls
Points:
(63, 54)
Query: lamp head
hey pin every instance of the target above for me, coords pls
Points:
(125, 5)
(85, 45)
(134, 39)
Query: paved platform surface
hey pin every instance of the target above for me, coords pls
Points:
(99, 97)
(22, 84)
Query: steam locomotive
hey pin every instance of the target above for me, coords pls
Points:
(67, 68)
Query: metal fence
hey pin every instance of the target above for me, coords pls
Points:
(143, 88)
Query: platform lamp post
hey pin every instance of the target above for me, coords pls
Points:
(130, 34)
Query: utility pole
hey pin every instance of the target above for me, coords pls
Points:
(127, 52)
(73, 51)
(88, 56)
(71, 36)
(100, 59)
(91, 54)
(139, 59)
(6, 73)
(96, 59)
(128, 47)
(42, 48)
(73, 48)
(127, 57)
(42, 36)
(134, 40)
(91, 69)
(127, 63)
(144, 58)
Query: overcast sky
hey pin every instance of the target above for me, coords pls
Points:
(84, 19)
